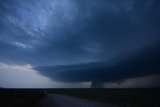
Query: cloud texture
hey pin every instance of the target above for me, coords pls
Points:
(75, 40)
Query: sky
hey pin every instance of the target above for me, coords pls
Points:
(79, 43)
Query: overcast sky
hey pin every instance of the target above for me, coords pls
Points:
(79, 43)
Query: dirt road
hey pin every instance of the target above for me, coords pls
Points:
(58, 100)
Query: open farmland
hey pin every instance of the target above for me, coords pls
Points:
(121, 97)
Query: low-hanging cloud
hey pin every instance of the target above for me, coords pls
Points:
(141, 64)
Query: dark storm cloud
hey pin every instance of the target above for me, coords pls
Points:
(68, 32)
(101, 31)
(76, 31)
(142, 64)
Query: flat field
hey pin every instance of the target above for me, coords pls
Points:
(148, 97)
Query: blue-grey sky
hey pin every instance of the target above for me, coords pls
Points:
(79, 43)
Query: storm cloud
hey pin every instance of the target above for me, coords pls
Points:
(141, 64)
(75, 40)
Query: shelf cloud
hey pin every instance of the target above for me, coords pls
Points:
(75, 40)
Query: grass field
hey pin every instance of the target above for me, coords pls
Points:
(122, 97)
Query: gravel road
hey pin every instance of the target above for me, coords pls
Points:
(59, 100)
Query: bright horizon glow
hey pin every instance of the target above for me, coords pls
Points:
(24, 76)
